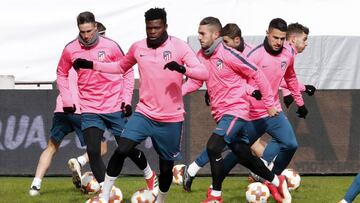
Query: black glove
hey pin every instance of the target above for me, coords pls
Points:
(310, 90)
(288, 100)
(302, 111)
(173, 65)
(256, 94)
(207, 98)
(82, 63)
(69, 109)
(126, 109)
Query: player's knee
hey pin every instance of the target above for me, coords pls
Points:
(293, 145)
(215, 145)
(122, 151)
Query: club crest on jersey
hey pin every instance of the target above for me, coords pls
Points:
(167, 55)
(101, 55)
(219, 64)
(283, 65)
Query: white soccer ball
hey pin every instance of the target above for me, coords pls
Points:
(257, 193)
(89, 185)
(116, 195)
(143, 196)
(292, 177)
(178, 173)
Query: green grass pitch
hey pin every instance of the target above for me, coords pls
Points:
(319, 189)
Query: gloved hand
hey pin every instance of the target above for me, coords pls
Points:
(69, 109)
(256, 94)
(288, 100)
(126, 109)
(302, 111)
(310, 90)
(173, 65)
(82, 63)
(207, 98)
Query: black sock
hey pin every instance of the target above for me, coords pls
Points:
(92, 138)
(166, 175)
(215, 146)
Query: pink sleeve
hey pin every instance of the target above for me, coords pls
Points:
(62, 80)
(194, 68)
(128, 85)
(191, 85)
(286, 91)
(128, 77)
(121, 66)
(250, 70)
(265, 88)
(293, 84)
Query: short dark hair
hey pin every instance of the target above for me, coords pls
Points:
(278, 23)
(296, 28)
(156, 13)
(85, 17)
(211, 21)
(101, 28)
(231, 30)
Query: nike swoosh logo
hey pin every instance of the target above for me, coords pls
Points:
(141, 55)
(139, 155)
(219, 129)
(218, 159)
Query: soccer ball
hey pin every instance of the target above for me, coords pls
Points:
(89, 185)
(257, 193)
(116, 196)
(178, 173)
(143, 196)
(292, 177)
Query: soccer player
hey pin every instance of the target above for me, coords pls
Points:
(352, 191)
(63, 124)
(297, 36)
(160, 111)
(75, 164)
(232, 37)
(101, 94)
(276, 60)
(229, 71)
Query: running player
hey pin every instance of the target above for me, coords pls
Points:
(160, 111)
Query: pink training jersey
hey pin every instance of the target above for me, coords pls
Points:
(229, 71)
(275, 68)
(284, 89)
(98, 92)
(160, 89)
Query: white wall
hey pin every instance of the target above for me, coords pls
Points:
(34, 32)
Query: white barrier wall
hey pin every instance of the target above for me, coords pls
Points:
(7, 82)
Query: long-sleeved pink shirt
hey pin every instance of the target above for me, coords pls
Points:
(275, 68)
(227, 84)
(98, 92)
(160, 89)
